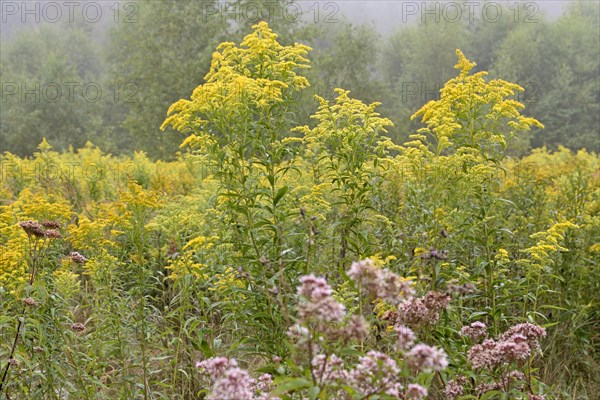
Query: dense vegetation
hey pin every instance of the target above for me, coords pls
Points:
(278, 259)
(116, 86)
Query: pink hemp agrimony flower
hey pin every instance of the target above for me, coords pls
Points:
(426, 358)
(503, 384)
(514, 349)
(29, 301)
(406, 337)
(297, 333)
(50, 224)
(536, 397)
(318, 304)
(77, 257)
(234, 384)
(466, 288)
(517, 343)
(313, 288)
(264, 382)
(78, 327)
(531, 332)
(356, 328)
(328, 369)
(435, 254)
(484, 355)
(380, 283)
(475, 331)
(52, 234)
(454, 387)
(414, 391)
(376, 373)
(47, 229)
(417, 312)
(32, 228)
(215, 367)
(231, 382)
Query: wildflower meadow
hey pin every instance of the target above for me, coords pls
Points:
(277, 260)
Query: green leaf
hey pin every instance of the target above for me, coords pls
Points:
(205, 348)
(280, 193)
(313, 392)
(289, 385)
(490, 395)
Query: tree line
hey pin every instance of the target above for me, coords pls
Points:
(67, 83)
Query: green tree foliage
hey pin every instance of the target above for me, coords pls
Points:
(558, 65)
(161, 57)
(284, 16)
(556, 62)
(50, 88)
(346, 56)
(156, 55)
(416, 61)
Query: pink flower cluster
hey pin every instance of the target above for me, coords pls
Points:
(328, 369)
(487, 355)
(231, 382)
(356, 327)
(45, 229)
(77, 257)
(435, 254)
(234, 384)
(465, 288)
(406, 337)
(376, 373)
(420, 311)
(298, 333)
(502, 384)
(380, 283)
(216, 366)
(512, 380)
(531, 332)
(426, 358)
(536, 397)
(516, 344)
(319, 304)
(475, 331)
(415, 391)
(455, 388)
